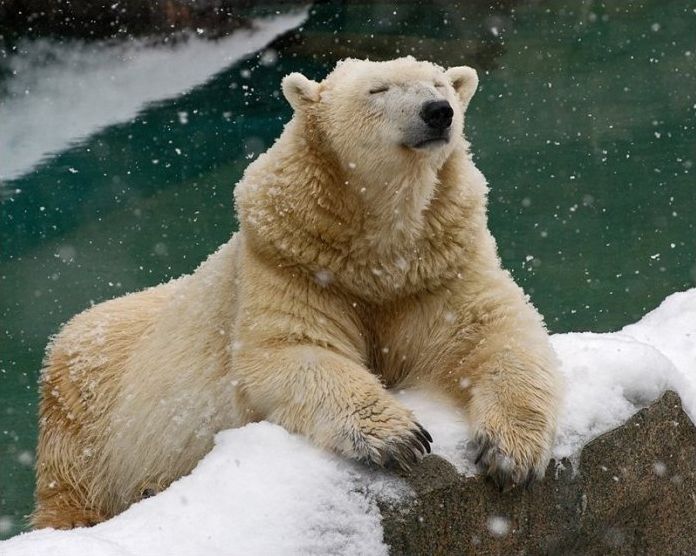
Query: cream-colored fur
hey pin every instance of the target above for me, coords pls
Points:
(362, 263)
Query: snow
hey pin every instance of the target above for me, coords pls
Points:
(498, 526)
(611, 376)
(263, 491)
(446, 424)
(62, 92)
(260, 491)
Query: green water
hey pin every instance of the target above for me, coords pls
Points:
(584, 124)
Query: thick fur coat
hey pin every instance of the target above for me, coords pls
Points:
(363, 262)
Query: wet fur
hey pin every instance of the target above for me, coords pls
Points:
(341, 283)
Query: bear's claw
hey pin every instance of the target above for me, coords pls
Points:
(425, 433)
(501, 468)
(404, 454)
(401, 451)
(387, 435)
(424, 438)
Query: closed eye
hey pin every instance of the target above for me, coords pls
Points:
(439, 85)
(380, 89)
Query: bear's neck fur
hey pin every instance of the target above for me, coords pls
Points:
(297, 210)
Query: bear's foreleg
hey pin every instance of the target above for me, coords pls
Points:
(508, 380)
(332, 400)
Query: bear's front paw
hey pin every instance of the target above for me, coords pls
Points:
(520, 461)
(388, 436)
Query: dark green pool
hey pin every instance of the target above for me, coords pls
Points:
(584, 124)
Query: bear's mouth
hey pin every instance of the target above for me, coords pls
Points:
(432, 141)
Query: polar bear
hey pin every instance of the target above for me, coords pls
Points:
(363, 262)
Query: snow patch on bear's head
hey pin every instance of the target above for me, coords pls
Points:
(378, 116)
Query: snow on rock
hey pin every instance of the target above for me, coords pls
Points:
(607, 380)
(446, 423)
(671, 329)
(260, 491)
(611, 376)
(62, 92)
(263, 491)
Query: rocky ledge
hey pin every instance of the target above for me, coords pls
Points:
(633, 491)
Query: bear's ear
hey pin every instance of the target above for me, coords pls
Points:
(300, 91)
(464, 80)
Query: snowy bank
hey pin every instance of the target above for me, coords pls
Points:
(264, 491)
(62, 92)
(610, 376)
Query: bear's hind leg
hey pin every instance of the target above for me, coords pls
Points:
(63, 508)
(65, 454)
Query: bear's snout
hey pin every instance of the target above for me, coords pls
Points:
(437, 114)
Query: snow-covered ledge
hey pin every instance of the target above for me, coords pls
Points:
(264, 491)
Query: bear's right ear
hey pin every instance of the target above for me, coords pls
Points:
(300, 91)
(465, 81)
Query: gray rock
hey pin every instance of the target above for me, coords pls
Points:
(633, 493)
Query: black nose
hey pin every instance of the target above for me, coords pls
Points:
(437, 114)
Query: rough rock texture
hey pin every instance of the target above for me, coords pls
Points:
(633, 492)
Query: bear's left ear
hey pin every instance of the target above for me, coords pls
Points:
(300, 91)
(464, 80)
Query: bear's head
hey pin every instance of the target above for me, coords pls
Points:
(380, 117)
(372, 166)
